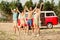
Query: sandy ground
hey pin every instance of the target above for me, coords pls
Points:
(7, 33)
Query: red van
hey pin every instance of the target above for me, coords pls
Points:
(48, 18)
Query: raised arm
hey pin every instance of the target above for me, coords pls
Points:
(39, 10)
(18, 10)
(41, 5)
(35, 7)
(11, 10)
(26, 8)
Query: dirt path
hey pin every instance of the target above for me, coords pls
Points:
(7, 33)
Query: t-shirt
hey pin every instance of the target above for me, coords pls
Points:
(14, 16)
(19, 16)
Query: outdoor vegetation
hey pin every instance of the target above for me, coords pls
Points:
(48, 6)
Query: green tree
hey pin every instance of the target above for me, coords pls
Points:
(49, 6)
(6, 8)
(20, 7)
(58, 12)
(29, 3)
(59, 5)
(52, 4)
(40, 1)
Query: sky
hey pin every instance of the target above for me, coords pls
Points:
(34, 1)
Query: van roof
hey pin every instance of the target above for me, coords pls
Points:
(42, 11)
(46, 11)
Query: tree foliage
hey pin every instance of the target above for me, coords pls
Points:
(29, 3)
(6, 8)
(48, 6)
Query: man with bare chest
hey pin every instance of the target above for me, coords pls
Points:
(30, 14)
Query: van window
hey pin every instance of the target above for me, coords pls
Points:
(49, 14)
(42, 14)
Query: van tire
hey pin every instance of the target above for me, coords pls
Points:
(49, 26)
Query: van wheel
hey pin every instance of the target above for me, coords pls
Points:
(49, 25)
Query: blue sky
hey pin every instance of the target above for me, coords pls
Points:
(34, 1)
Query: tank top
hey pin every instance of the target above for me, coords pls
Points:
(15, 16)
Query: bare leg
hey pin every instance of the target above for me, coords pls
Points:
(18, 28)
(38, 31)
(32, 29)
(35, 28)
(27, 29)
(24, 30)
(14, 29)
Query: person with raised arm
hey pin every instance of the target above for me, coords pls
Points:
(23, 20)
(29, 17)
(37, 20)
(14, 11)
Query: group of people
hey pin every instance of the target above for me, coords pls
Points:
(23, 21)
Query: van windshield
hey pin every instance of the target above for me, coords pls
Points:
(49, 14)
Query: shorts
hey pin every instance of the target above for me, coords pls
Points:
(14, 23)
(18, 23)
(29, 22)
(22, 24)
(36, 22)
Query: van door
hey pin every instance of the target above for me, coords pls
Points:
(42, 18)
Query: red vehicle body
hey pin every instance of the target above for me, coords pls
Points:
(53, 20)
(48, 18)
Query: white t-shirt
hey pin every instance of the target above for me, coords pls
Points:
(19, 16)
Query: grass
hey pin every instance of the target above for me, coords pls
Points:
(6, 36)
